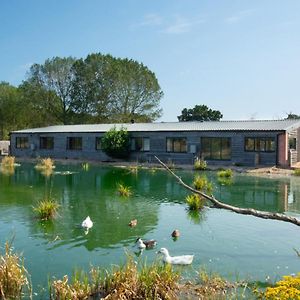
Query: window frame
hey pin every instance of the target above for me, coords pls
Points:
(260, 144)
(142, 148)
(48, 147)
(98, 138)
(69, 138)
(174, 139)
(222, 141)
(22, 142)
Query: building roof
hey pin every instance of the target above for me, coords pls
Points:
(249, 125)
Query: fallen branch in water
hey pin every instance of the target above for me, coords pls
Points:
(239, 210)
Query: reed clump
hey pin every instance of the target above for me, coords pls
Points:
(200, 164)
(46, 209)
(195, 202)
(45, 164)
(201, 183)
(8, 161)
(14, 278)
(124, 190)
(228, 173)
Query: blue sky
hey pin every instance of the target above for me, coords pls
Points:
(240, 57)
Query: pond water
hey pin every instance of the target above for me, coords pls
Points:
(236, 246)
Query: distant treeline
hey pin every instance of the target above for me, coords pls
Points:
(97, 89)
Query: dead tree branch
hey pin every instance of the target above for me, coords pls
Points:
(239, 210)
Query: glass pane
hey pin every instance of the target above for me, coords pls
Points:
(183, 147)
(249, 144)
(257, 144)
(98, 143)
(205, 147)
(146, 144)
(169, 145)
(270, 145)
(132, 144)
(262, 145)
(226, 148)
(138, 144)
(177, 145)
(216, 148)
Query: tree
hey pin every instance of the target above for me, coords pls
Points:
(112, 89)
(292, 116)
(115, 143)
(55, 77)
(199, 113)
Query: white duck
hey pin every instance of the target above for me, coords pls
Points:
(176, 260)
(145, 244)
(87, 223)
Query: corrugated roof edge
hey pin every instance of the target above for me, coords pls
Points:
(270, 125)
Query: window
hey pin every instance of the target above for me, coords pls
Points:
(176, 145)
(74, 143)
(216, 148)
(140, 144)
(46, 142)
(98, 143)
(292, 143)
(260, 144)
(22, 142)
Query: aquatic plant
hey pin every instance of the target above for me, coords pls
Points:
(14, 278)
(202, 184)
(123, 190)
(200, 164)
(8, 161)
(46, 209)
(85, 166)
(45, 164)
(285, 289)
(195, 202)
(296, 172)
(225, 173)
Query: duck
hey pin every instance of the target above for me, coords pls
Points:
(133, 223)
(145, 244)
(176, 233)
(176, 260)
(87, 223)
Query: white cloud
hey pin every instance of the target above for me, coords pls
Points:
(239, 16)
(152, 20)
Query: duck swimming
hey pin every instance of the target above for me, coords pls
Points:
(145, 244)
(87, 223)
(176, 260)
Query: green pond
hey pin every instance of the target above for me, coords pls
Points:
(236, 246)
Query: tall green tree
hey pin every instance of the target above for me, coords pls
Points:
(292, 116)
(54, 77)
(112, 89)
(199, 113)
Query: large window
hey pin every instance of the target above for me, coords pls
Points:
(176, 145)
(46, 142)
(259, 144)
(22, 142)
(74, 143)
(140, 144)
(98, 143)
(216, 148)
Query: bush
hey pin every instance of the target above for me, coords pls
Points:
(46, 209)
(225, 173)
(195, 202)
(14, 278)
(200, 164)
(115, 143)
(296, 172)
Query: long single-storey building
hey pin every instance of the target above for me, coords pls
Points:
(249, 143)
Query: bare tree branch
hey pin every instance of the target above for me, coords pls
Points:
(239, 210)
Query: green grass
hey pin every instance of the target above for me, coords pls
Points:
(195, 202)
(46, 209)
(228, 173)
(123, 190)
(14, 278)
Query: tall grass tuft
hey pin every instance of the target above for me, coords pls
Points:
(123, 190)
(228, 173)
(8, 161)
(195, 202)
(85, 166)
(201, 183)
(46, 209)
(200, 164)
(14, 278)
(296, 172)
(46, 166)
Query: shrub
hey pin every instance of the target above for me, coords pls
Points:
(14, 278)
(288, 288)
(195, 202)
(296, 172)
(124, 190)
(202, 184)
(225, 173)
(200, 164)
(46, 209)
(8, 161)
(115, 143)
